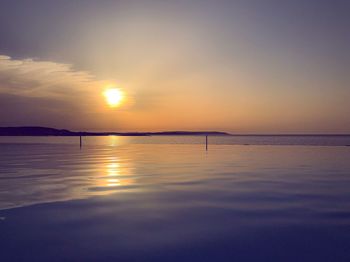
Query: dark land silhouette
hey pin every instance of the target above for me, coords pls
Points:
(46, 131)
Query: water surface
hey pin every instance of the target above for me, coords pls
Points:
(167, 199)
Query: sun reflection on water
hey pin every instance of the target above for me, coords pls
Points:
(114, 141)
(113, 173)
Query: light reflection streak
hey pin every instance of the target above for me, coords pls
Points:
(113, 174)
(116, 174)
(114, 140)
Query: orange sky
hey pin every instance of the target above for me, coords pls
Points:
(247, 69)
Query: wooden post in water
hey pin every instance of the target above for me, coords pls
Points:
(206, 142)
(80, 142)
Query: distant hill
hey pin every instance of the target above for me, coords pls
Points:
(33, 131)
(46, 131)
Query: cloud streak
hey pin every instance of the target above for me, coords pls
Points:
(37, 78)
(47, 93)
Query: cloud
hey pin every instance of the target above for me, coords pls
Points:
(38, 78)
(47, 93)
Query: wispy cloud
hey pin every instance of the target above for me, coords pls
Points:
(45, 92)
(41, 78)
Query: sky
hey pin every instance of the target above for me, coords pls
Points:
(244, 66)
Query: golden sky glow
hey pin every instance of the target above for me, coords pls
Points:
(163, 65)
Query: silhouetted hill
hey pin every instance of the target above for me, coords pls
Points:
(46, 131)
(33, 131)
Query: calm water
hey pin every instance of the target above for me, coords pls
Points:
(167, 199)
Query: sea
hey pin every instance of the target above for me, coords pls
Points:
(168, 198)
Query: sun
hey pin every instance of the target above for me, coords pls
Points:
(114, 96)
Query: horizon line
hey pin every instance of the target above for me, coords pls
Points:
(185, 131)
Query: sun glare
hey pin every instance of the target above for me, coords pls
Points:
(114, 97)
